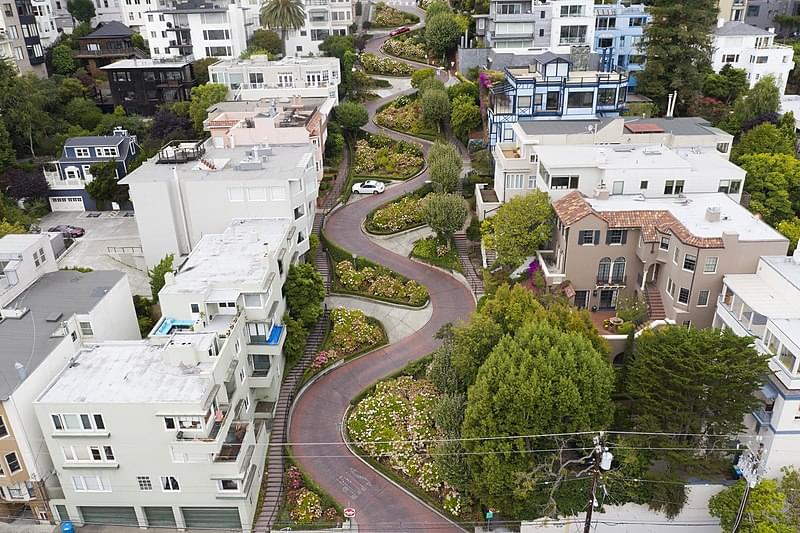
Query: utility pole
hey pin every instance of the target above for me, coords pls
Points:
(602, 461)
(750, 466)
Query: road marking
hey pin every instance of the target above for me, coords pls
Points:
(354, 485)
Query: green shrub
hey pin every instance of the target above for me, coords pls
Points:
(385, 66)
(389, 17)
(433, 251)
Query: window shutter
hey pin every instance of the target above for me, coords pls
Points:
(608, 236)
(597, 236)
(624, 236)
(579, 238)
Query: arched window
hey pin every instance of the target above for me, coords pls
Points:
(618, 271)
(604, 270)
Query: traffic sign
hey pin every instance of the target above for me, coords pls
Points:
(349, 512)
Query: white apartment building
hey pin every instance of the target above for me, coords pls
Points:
(191, 189)
(258, 77)
(273, 121)
(45, 21)
(750, 48)
(201, 28)
(45, 314)
(179, 423)
(134, 12)
(555, 25)
(323, 18)
(764, 305)
(652, 157)
(107, 11)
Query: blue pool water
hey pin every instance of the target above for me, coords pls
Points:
(168, 324)
(275, 335)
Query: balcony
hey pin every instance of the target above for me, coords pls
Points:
(510, 157)
(234, 442)
(743, 320)
(515, 17)
(763, 416)
(181, 152)
(619, 281)
(55, 182)
(273, 339)
(548, 262)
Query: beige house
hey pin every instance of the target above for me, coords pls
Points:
(672, 251)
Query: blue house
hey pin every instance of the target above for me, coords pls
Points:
(72, 171)
(618, 37)
(555, 86)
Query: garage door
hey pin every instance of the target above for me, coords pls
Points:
(66, 203)
(212, 517)
(115, 516)
(160, 516)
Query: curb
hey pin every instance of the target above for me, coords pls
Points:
(375, 300)
(457, 275)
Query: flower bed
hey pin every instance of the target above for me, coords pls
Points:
(379, 156)
(381, 282)
(431, 250)
(405, 115)
(385, 66)
(305, 505)
(395, 423)
(404, 213)
(389, 17)
(408, 46)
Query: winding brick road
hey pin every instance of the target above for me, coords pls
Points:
(318, 413)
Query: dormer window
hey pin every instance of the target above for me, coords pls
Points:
(82, 152)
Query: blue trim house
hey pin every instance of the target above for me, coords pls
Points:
(551, 87)
(618, 37)
(72, 170)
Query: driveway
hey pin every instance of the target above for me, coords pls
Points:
(111, 243)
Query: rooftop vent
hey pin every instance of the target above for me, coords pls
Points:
(249, 163)
(652, 150)
(713, 213)
(54, 317)
(14, 313)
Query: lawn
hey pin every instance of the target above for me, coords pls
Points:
(437, 253)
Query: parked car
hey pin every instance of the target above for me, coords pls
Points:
(369, 187)
(73, 232)
(398, 31)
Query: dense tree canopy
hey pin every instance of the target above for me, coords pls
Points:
(765, 511)
(81, 10)
(104, 187)
(520, 227)
(726, 85)
(773, 181)
(444, 165)
(203, 97)
(445, 214)
(435, 107)
(442, 32)
(351, 116)
(304, 292)
(765, 138)
(266, 40)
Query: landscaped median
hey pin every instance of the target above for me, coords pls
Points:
(391, 425)
(401, 214)
(409, 46)
(358, 276)
(435, 252)
(387, 16)
(305, 506)
(385, 66)
(405, 116)
(351, 333)
(381, 157)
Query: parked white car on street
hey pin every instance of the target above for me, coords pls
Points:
(369, 187)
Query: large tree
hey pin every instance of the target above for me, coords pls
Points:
(763, 100)
(726, 85)
(62, 60)
(81, 10)
(105, 187)
(445, 214)
(284, 15)
(465, 116)
(7, 155)
(304, 292)
(203, 97)
(790, 228)
(541, 380)
(442, 32)
(519, 228)
(773, 181)
(764, 512)
(674, 381)
(267, 41)
(21, 183)
(765, 138)
(351, 116)
(444, 165)
(435, 107)
(678, 46)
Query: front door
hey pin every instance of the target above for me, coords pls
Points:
(654, 272)
(608, 299)
(581, 299)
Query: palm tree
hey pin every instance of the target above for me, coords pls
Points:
(284, 15)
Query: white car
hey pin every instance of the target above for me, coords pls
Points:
(369, 187)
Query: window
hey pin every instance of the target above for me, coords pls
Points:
(787, 358)
(670, 288)
(285, 79)
(189, 422)
(683, 296)
(524, 101)
(82, 152)
(3, 428)
(664, 244)
(604, 270)
(606, 96)
(673, 187)
(553, 102)
(761, 59)
(710, 265)
(91, 484)
(256, 77)
(257, 194)
(618, 270)
(252, 301)
(616, 236)
(13, 462)
(86, 329)
(228, 485)
(689, 262)
(730, 186)
(104, 151)
(730, 58)
(99, 423)
(588, 237)
(636, 22)
(643, 184)
(702, 298)
(687, 324)
(605, 42)
(541, 32)
(515, 181)
(218, 51)
(605, 23)
(572, 34)
(216, 35)
(169, 484)
(241, 375)
(144, 482)
(169, 422)
(77, 422)
(753, 11)
(572, 11)
(236, 194)
(582, 99)
(564, 182)
(195, 308)
(319, 35)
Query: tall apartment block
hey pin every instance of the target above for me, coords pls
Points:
(323, 19)
(172, 431)
(22, 37)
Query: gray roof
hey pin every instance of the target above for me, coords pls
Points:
(549, 57)
(96, 140)
(561, 126)
(739, 29)
(677, 126)
(111, 29)
(29, 339)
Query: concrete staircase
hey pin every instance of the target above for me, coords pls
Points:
(655, 306)
(321, 263)
(272, 482)
(462, 249)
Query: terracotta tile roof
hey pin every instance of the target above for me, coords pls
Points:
(651, 222)
(571, 208)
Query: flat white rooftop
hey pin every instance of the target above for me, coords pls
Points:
(691, 212)
(129, 372)
(263, 61)
(787, 268)
(14, 243)
(765, 299)
(147, 63)
(231, 259)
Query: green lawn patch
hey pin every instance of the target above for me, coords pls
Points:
(437, 253)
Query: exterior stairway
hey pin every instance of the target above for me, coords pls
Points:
(462, 248)
(655, 307)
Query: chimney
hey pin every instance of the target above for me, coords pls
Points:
(713, 213)
(720, 22)
(601, 191)
(796, 254)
